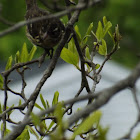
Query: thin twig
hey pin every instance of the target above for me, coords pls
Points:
(107, 58)
(4, 107)
(16, 93)
(136, 99)
(69, 109)
(23, 82)
(106, 95)
(52, 64)
(60, 14)
(54, 7)
(3, 20)
(84, 80)
(19, 65)
(101, 99)
(49, 69)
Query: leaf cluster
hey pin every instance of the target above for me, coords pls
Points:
(70, 54)
(53, 124)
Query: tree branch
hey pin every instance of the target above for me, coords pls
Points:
(17, 131)
(106, 95)
(20, 24)
(101, 99)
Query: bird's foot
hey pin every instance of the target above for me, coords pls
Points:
(42, 58)
(50, 53)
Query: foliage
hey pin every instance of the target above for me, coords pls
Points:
(24, 135)
(87, 124)
(128, 21)
(12, 13)
(52, 121)
(70, 55)
(21, 57)
(137, 136)
(1, 82)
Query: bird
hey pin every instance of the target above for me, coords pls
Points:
(45, 33)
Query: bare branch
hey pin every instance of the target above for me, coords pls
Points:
(107, 58)
(101, 99)
(106, 95)
(3, 20)
(55, 7)
(20, 24)
(46, 75)
(4, 107)
(18, 65)
(128, 135)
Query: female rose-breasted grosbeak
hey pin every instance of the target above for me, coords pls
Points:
(44, 33)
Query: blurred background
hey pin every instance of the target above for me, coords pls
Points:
(126, 13)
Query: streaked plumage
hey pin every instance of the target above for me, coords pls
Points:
(45, 33)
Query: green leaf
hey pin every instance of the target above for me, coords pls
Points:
(87, 124)
(88, 68)
(55, 98)
(107, 27)
(137, 137)
(97, 66)
(19, 103)
(99, 31)
(9, 113)
(103, 48)
(102, 133)
(69, 57)
(43, 126)
(17, 57)
(24, 135)
(104, 20)
(43, 101)
(38, 106)
(35, 119)
(51, 125)
(9, 63)
(71, 46)
(7, 131)
(1, 82)
(48, 105)
(87, 53)
(88, 32)
(58, 113)
(32, 131)
(78, 33)
(32, 52)
(117, 36)
(89, 29)
(24, 54)
(111, 34)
